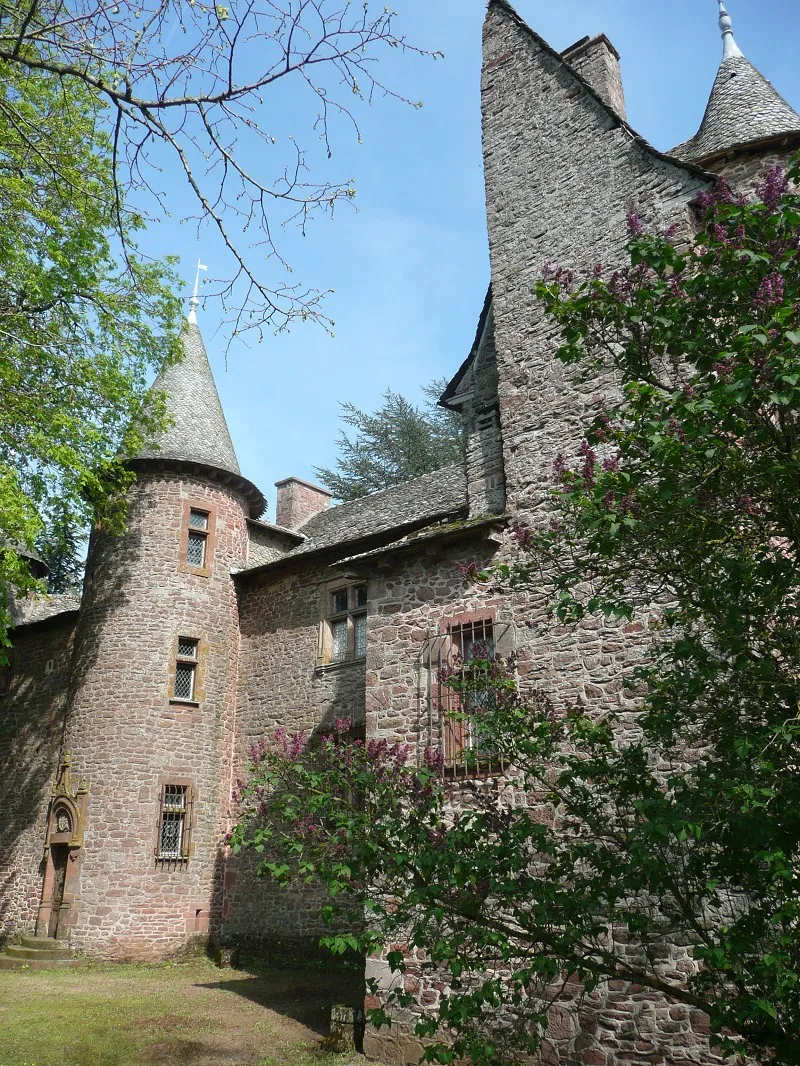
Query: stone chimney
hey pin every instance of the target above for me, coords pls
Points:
(597, 61)
(298, 501)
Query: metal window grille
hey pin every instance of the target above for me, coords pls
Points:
(198, 519)
(450, 723)
(173, 830)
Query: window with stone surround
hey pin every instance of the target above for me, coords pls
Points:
(185, 683)
(197, 538)
(451, 718)
(175, 822)
(343, 630)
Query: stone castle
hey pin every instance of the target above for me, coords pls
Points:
(126, 717)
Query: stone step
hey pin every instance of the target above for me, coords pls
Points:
(42, 941)
(9, 962)
(53, 950)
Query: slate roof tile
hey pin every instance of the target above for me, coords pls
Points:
(743, 108)
(199, 432)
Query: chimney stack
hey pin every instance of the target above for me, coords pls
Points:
(299, 500)
(597, 61)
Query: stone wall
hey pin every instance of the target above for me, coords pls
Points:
(31, 726)
(282, 685)
(129, 737)
(559, 188)
(742, 170)
(477, 400)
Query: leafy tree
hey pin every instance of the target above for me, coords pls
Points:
(61, 545)
(79, 333)
(199, 88)
(687, 832)
(397, 442)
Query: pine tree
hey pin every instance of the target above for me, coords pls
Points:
(397, 442)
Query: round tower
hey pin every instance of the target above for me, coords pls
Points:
(747, 125)
(150, 728)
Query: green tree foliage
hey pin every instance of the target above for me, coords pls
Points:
(687, 832)
(79, 331)
(397, 442)
(62, 547)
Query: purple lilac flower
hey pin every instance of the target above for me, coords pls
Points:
(772, 186)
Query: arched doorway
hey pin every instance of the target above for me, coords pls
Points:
(63, 846)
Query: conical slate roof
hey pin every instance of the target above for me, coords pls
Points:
(743, 108)
(197, 433)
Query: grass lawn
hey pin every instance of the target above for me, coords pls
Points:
(169, 1014)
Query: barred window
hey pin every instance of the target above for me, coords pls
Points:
(454, 718)
(344, 629)
(197, 537)
(174, 827)
(186, 669)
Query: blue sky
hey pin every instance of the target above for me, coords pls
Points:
(409, 266)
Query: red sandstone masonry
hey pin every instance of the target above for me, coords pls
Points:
(31, 723)
(127, 735)
(281, 685)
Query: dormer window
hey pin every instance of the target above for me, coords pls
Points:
(196, 541)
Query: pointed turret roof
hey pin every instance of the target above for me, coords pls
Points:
(743, 108)
(197, 433)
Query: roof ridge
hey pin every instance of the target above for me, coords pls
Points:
(339, 507)
(684, 164)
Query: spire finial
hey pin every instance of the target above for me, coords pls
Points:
(730, 49)
(195, 300)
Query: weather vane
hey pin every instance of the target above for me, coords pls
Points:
(195, 300)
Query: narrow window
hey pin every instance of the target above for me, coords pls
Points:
(174, 823)
(197, 538)
(345, 627)
(186, 669)
(462, 743)
(6, 673)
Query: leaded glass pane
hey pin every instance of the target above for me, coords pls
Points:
(339, 602)
(360, 596)
(360, 624)
(196, 548)
(184, 681)
(187, 648)
(339, 640)
(171, 834)
(198, 519)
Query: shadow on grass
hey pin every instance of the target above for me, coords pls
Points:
(306, 997)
